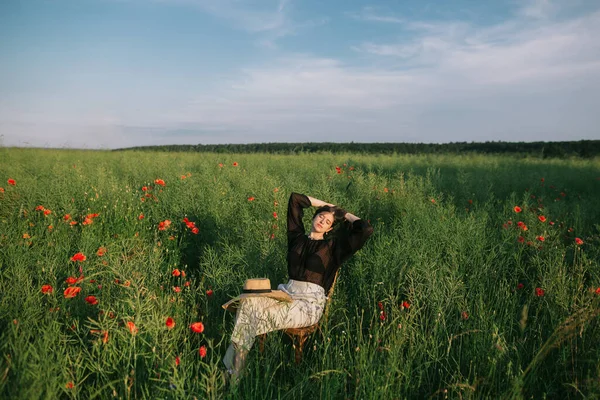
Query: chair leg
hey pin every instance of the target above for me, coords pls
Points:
(261, 342)
(301, 339)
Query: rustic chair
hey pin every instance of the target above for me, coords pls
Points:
(299, 335)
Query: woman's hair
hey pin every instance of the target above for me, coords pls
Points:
(338, 217)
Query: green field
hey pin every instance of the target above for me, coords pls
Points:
(495, 311)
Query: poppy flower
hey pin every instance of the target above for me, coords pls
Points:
(209, 292)
(542, 218)
(144, 188)
(69, 385)
(170, 322)
(11, 182)
(202, 351)
(235, 164)
(71, 280)
(92, 300)
(380, 305)
(162, 225)
(73, 223)
(183, 177)
(159, 182)
(132, 328)
(520, 286)
(141, 217)
(50, 227)
(197, 327)
(464, 315)
(539, 292)
(597, 290)
(541, 238)
(272, 236)
(578, 241)
(87, 221)
(177, 361)
(517, 209)
(47, 289)
(40, 208)
(26, 236)
(176, 289)
(382, 316)
(101, 251)
(251, 198)
(71, 292)
(176, 272)
(521, 239)
(405, 304)
(78, 257)
(105, 337)
(195, 230)
(1, 190)
(386, 190)
(274, 214)
(220, 165)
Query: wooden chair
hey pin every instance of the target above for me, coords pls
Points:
(299, 335)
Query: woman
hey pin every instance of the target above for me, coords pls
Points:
(313, 261)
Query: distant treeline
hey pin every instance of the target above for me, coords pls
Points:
(582, 148)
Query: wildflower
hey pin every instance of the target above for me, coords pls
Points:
(382, 316)
(235, 164)
(251, 198)
(73, 223)
(50, 228)
(26, 236)
(162, 225)
(71, 292)
(176, 272)
(101, 251)
(186, 284)
(87, 221)
(517, 209)
(209, 292)
(521, 239)
(542, 218)
(380, 305)
(183, 177)
(539, 292)
(598, 291)
(1, 190)
(578, 241)
(541, 238)
(464, 315)
(159, 182)
(140, 217)
(71, 280)
(92, 300)
(338, 170)
(39, 208)
(405, 304)
(47, 289)
(177, 361)
(170, 322)
(69, 385)
(272, 236)
(93, 215)
(202, 351)
(176, 289)
(276, 190)
(220, 165)
(386, 190)
(195, 230)
(144, 188)
(78, 257)
(275, 214)
(11, 182)
(132, 328)
(197, 327)
(551, 223)
(432, 201)
(520, 286)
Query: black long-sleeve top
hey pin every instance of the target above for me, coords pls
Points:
(317, 261)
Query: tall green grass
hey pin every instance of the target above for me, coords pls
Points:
(446, 244)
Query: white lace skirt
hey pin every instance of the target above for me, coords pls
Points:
(258, 315)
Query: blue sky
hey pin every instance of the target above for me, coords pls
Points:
(120, 73)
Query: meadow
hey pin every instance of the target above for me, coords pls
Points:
(481, 280)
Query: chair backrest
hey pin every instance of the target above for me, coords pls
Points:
(330, 295)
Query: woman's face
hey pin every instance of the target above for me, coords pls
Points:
(322, 222)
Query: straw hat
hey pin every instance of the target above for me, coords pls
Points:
(259, 287)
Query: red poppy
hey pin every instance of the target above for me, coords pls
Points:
(539, 292)
(1, 190)
(578, 241)
(26, 236)
(183, 177)
(380, 305)
(382, 316)
(386, 190)
(272, 236)
(197, 327)
(141, 217)
(542, 218)
(195, 230)
(177, 361)
(71, 280)
(87, 221)
(235, 164)
(251, 198)
(78, 257)
(541, 238)
(406, 304)
(274, 214)
(464, 315)
(101, 251)
(521, 239)
(12, 182)
(105, 337)
(73, 223)
(47, 212)
(170, 323)
(50, 227)
(159, 182)
(220, 165)
(162, 225)
(92, 300)
(598, 290)
(132, 328)
(520, 286)
(209, 292)
(69, 385)
(176, 272)
(202, 351)
(517, 209)
(144, 188)
(176, 289)
(71, 292)
(39, 208)
(93, 215)
(47, 289)
(432, 201)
